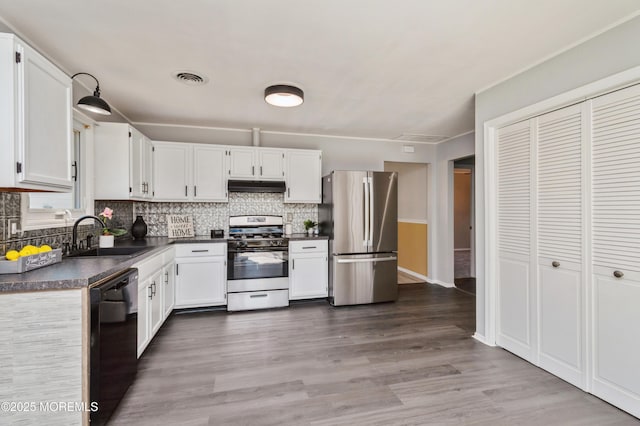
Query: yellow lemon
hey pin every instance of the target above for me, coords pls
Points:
(44, 248)
(28, 250)
(12, 255)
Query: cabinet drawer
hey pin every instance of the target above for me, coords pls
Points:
(308, 246)
(257, 300)
(197, 250)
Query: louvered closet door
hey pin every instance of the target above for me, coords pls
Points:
(514, 239)
(616, 247)
(560, 244)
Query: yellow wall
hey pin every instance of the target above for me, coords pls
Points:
(412, 247)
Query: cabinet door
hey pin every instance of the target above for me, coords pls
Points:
(209, 173)
(147, 166)
(271, 164)
(242, 163)
(616, 248)
(157, 306)
(144, 308)
(516, 295)
(303, 176)
(45, 122)
(201, 282)
(136, 163)
(561, 347)
(171, 171)
(308, 276)
(169, 280)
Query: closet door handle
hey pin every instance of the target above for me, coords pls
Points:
(618, 274)
(555, 263)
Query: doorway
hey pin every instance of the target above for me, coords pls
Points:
(412, 220)
(463, 223)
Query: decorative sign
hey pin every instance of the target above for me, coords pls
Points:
(179, 226)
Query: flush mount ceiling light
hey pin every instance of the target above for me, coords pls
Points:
(93, 103)
(282, 95)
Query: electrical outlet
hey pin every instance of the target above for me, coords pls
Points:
(13, 227)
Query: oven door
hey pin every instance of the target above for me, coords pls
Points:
(260, 262)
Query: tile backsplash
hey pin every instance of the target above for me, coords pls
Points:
(206, 216)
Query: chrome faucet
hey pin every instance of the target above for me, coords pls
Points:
(74, 235)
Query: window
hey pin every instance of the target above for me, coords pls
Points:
(49, 209)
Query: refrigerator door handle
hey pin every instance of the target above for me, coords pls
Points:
(368, 260)
(371, 212)
(367, 212)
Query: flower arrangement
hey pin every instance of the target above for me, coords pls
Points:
(106, 216)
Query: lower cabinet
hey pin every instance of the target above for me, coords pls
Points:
(169, 283)
(308, 273)
(152, 292)
(201, 275)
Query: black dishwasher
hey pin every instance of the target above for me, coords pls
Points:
(113, 342)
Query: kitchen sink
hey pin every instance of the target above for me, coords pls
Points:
(111, 251)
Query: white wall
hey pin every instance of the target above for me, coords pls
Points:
(412, 190)
(608, 53)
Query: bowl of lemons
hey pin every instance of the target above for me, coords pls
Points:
(28, 258)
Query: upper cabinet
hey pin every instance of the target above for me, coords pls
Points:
(35, 120)
(254, 163)
(303, 173)
(189, 172)
(123, 163)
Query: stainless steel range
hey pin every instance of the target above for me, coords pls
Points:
(258, 263)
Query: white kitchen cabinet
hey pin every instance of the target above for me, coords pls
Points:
(209, 173)
(123, 163)
(189, 172)
(169, 282)
(36, 133)
(144, 310)
(151, 296)
(242, 163)
(270, 164)
(303, 174)
(171, 171)
(201, 275)
(308, 269)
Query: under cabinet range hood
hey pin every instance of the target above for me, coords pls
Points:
(256, 186)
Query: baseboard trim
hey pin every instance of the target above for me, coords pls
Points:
(413, 274)
(441, 283)
(480, 338)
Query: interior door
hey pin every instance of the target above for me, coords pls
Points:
(384, 211)
(349, 210)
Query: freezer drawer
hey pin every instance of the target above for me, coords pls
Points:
(365, 278)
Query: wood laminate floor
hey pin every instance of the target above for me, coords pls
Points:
(412, 362)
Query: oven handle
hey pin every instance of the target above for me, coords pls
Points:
(258, 250)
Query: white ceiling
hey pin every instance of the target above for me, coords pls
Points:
(369, 68)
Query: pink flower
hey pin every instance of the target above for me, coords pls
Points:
(107, 213)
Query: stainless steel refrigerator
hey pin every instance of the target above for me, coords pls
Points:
(359, 212)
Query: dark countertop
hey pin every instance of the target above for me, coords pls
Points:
(303, 236)
(79, 272)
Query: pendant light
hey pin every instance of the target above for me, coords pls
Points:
(282, 95)
(93, 103)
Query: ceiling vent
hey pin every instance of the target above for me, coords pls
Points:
(190, 78)
(416, 137)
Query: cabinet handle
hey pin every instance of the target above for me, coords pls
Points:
(293, 264)
(177, 268)
(166, 277)
(153, 288)
(75, 171)
(253, 170)
(186, 189)
(618, 274)
(258, 295)
(555, 263)
(288, 192)
(195, 191)
(199, 251)
(309, 247)
(150, 293)
(260, 170)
